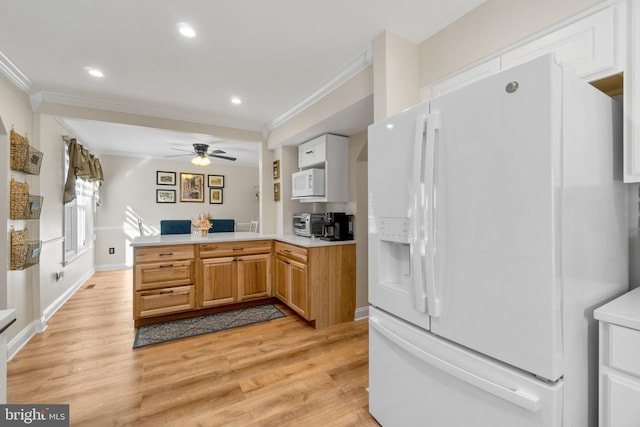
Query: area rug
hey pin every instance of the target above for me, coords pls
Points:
(176, 329)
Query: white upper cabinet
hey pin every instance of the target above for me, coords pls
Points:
(591, 46)
(598, 43)
(313, 153)
(331, 153)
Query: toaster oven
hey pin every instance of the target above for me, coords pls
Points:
(308, 224)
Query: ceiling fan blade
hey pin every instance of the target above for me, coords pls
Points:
(233, 159)
(180, 149)
(178, 155)
(218, 151)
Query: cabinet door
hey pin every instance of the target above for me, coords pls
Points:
(312, 152)
(282, 279)
(218, 281)
(621, 394)
(299, 289)
(253, 276)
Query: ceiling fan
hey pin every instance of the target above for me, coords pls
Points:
(201, 154)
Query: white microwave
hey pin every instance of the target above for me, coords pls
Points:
(308, 183)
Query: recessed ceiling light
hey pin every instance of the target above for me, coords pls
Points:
(236, 100)
(94, 72)
(186, 30)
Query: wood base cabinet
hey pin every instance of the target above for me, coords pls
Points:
(234, 272)
(163, 280)
(319, 283)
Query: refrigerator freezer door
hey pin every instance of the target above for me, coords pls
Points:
(417, 379)
(396, 172)
(497, 217)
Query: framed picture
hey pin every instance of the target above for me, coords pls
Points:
(216, 181)
(191, 187)
(276, 192)
(276, 169)
(165, 196)
(215, 195)
(165, 178)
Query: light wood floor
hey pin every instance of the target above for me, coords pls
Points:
(281, 372)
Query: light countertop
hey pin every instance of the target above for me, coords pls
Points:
(622, 311)
(181, 239)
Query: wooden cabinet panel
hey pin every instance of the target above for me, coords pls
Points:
(254, 273)
(165, 301)
(163, 275)
(163, 253)
(209, 250)
(218, 281)
(299, 289)
(281, 279)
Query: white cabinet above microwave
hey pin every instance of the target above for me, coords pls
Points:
(329, 153)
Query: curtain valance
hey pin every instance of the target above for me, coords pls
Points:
(82, 164)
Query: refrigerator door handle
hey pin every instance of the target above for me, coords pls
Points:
(517, 397)
(417, 243)
(429, 212)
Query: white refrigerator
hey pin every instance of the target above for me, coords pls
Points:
(497, 223)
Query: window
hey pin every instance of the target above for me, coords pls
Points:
(78, 218)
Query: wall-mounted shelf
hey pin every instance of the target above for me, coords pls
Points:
(24, 252)
(24, 157)
(22, 204)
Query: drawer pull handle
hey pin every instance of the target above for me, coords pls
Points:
(287, 262)
(167, 254)
(166, 266)
(166, 292)
(308, 152)
(238, 249)
(286, 251)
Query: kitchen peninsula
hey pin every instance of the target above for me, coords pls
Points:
(184, 275)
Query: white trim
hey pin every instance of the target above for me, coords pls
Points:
(356, 65)
(41, 98)
(362, 313)
(39, 325)
(13, 73)
(109, 267)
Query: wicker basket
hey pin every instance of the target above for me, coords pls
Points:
(33, 161)
(19, 150)
(19, 244)
(18, 199)
(33, 207)
(32, 256)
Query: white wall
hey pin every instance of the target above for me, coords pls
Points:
(129, 193)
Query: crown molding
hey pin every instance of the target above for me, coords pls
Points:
(44, 98)
(13, 73)
(356, 65)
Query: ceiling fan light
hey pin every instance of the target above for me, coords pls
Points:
(200, 160)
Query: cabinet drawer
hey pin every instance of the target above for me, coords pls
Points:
(210, 250)
(625, 350)
(164, 253)
(163, 274)
(164, 301)
(291, 251)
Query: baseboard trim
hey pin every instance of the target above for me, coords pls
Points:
(109, 267)
(39, 325)
(362, 313)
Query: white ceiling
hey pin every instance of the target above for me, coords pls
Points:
(273, 54)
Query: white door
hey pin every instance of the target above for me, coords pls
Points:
(495, 234)
(395, 277)
(417, 379)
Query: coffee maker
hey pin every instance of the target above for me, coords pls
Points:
(337, 226)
